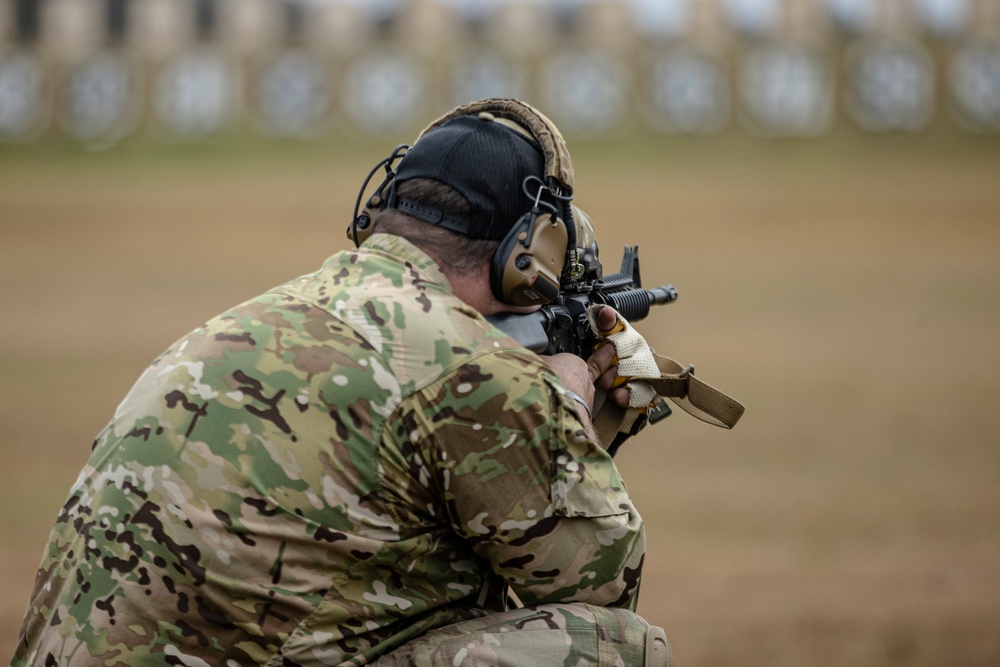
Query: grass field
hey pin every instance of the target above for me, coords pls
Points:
(846, 290)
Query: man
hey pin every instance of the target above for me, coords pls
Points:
(356, 467)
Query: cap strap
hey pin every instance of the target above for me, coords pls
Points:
(430, 214)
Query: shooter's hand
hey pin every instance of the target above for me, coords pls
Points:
(605, 369)
(580, 377)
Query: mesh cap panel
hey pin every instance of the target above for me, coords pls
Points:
(486, 162)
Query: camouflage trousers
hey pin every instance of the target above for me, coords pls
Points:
(571, 635)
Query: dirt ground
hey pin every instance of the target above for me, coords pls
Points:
(846, 289)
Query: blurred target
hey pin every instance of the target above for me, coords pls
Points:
(23, 109)
(291, 95)
(195, 96)
(290, 91)
(23, 89)
(685, 91)
(100, 100)
(480, 74)
(787, 89)
(586, 91)
(196, 93)
(385, 91)
(974, 75)
(890, 85)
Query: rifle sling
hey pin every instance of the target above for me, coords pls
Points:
(697, 398)
(683, 388)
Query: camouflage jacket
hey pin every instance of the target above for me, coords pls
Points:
(321, 474)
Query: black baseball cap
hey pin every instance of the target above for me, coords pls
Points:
(486, 162)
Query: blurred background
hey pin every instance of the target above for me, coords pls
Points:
(820, 179)
(99, 71)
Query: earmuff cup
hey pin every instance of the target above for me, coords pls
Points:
(527, 264)
(361, 226)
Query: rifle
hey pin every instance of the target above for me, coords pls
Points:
(562, 326)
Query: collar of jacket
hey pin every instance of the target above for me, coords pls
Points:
(402, 250)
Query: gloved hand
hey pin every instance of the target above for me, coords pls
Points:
(634, 364)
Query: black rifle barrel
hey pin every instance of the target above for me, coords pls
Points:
(662, 294)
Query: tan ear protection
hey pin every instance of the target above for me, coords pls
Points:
(363, 221)
(541, 247)
(529, 262)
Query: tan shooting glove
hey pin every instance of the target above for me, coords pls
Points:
(649, 377)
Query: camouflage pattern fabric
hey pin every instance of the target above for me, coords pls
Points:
(324, 473)
(553, 635)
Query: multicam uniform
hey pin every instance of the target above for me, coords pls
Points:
(328, 471)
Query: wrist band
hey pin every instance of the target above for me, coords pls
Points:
(579, 399)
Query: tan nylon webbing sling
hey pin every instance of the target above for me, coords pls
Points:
(650, 376)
